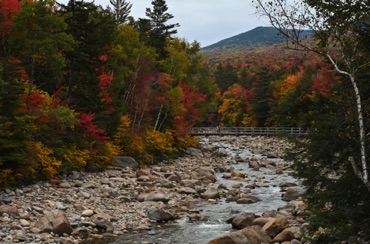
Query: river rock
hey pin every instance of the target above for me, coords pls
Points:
(102, 222)
(10, 210)
(291, 194)
(287, 184)
(211, 193)
(187, 190)
(54, 221)
(297, 231)
(159, 215)
(261, 221)
(65, 185)
(194, 152)
(242, 220)
(123, 162)
(283, 236)
(156, 197)
(249, 235)
(87, 213)
(274, 226)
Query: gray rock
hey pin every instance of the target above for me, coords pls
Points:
(159, 215)
(211, 193)
(102, 223)
(10, 210)
(187, 190)
(292, 194)
(157, 197)
(194, 152)
(54, 221)
(242, 220)
(251, 235)
(65, 185)
(124, 161)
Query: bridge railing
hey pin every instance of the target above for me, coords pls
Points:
(295, 131)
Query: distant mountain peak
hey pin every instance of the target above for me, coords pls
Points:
(259, 36)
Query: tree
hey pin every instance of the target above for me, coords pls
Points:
(39, 42)
(160, 29)
(92, 28)
(121, 10)
(338, 27)
(225, 76)
(333, 162)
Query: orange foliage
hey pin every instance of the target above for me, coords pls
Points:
(289, 84)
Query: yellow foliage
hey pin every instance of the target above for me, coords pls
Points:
(123, 128)
(159, 142)
(135, 146)
(75, 158)
(41, 157)
(6, 178)
(249, 121)
(186, 141)
(113, 150)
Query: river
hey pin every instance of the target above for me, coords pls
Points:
(216, 214)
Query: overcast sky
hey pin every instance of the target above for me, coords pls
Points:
(206, 21)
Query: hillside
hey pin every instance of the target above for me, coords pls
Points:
(259, 36)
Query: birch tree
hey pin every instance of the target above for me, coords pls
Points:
(341, 30)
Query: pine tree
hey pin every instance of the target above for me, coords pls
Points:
(160, 30)
(121, 10)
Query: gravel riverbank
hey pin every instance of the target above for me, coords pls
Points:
(84, 206)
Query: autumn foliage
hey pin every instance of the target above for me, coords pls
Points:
(77, 89)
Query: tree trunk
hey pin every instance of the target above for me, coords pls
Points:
(363, 173)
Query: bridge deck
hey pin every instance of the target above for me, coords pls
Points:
(257, 131)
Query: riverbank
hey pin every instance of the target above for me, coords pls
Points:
(84, 206)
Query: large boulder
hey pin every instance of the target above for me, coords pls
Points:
(159, 215)
(249, 235)
(194, 152)
(123, 162)
(211, 193)
(292, 194)
(10, 210)
(242, 220)
(275, 226)
(54, 221)
(102, 222)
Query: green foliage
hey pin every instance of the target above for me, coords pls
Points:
(39, 41)
(160, 29)
(337, 199)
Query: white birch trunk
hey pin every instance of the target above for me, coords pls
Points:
(363, 172)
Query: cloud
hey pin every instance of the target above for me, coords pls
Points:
(206, 21)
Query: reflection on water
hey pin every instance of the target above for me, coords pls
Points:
(185, 232)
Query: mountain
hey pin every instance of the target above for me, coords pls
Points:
(259, 36)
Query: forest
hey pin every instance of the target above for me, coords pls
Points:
(81, 84)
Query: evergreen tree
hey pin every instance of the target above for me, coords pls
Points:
(121, 10)
(93, 28)
(39, 41)
(225, 76)
(160, 29)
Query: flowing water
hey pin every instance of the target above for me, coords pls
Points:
(199, 232)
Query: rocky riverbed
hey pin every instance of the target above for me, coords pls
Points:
(81, 207)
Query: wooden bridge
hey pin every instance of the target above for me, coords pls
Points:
(252, 131)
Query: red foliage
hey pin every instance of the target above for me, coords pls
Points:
(185, 120)
(33, 101)
(323, 82)
(105, 83)
(8, 9)
(86, 122)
